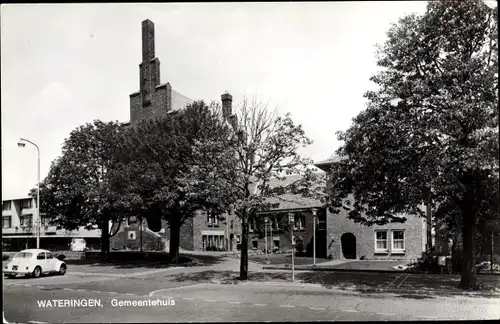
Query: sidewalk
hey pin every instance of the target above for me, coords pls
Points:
(381, 266)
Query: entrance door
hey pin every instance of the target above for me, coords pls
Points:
(348, 241)
(231, 239)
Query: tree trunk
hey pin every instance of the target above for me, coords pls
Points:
(244, 251)
(174, 240)
(429, 226)
(469, 278)
(105, 241)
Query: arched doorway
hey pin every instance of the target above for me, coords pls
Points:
(348, 241)
(231, 239)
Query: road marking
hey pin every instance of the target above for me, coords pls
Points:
(67, 289)
(390, 283)
(388, 314)
(27, 285)
(350, 310)
(113, 292)
(234, 302)
(80, 290)
(260, 304)
(431, 317)
(129, 294)
(317, 308)
(41, 287)
(287, 306)
(188, 298)
(175, 288)
(96, 291)
(37, 322)
(210, 300)
(399, 284)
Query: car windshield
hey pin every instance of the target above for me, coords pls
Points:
(78, 241)
(23, 255)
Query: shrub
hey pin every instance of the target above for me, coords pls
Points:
(5, 257)
(61, 257)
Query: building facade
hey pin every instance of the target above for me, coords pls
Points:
(334, 235)
(21, 226)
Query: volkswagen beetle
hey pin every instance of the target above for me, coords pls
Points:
(34, 262)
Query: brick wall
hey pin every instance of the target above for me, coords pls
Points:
(339, 224)
(160, 104)
(123, 240)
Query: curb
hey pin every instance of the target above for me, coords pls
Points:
(371, 291)
(321, 268)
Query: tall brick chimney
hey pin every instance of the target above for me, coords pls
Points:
(150, 66)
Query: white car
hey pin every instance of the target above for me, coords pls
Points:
(78, 245)
(34, 262)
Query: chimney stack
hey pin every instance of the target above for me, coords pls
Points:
(227, 101)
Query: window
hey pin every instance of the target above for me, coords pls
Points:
(321, 225)
(252, 226)
(212, 219)
(26, 203)
(255, 245)
(49, 256)
(238, 239)
(300, 221)
(45, 221)
(276, 244)
(41, 256)
(398, 241)
(380, 241)
(6, 205)
(6, 222)
(26, 220)
(275, 223)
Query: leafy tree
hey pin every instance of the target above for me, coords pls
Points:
(239, 166)
(154, 159)
(77, 191)
(430, 131)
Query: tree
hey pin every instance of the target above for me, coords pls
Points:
(430, 131)
(238, 166)
(77, 191)
(154, 159)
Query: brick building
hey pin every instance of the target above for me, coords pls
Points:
(336, 235)
(156, 99)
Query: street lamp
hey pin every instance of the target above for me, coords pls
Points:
(290, 221)
(314, 236)
(265, 237)
(21, 144)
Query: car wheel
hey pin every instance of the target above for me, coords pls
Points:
(62, 270)
(37, 272)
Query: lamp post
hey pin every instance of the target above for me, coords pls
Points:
(314, 236)
(265, 237)
(290, 221)
(22, 144)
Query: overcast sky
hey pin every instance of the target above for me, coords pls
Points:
(67, 64)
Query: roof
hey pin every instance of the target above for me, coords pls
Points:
(16, 198)
(326, 164)
(291, 201)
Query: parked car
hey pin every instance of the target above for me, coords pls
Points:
(78, 245)
(34, 262)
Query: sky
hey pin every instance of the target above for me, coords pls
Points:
(64, 65)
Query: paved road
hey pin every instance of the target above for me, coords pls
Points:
(241, 302)
(323, 297)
